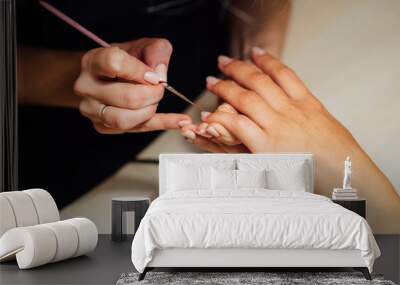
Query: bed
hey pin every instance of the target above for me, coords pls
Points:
(245, 211)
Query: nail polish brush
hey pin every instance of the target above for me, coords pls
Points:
(103, 43)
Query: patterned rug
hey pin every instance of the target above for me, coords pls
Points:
(243, 278)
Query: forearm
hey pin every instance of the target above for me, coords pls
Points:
(371, 183)
(46, 77)
(267, 29)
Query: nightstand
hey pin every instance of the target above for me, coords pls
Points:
(121, 205)
(358, 206)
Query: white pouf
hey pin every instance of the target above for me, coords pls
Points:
(23, 208)
(7, 218)
(40, 244)
(45, 205)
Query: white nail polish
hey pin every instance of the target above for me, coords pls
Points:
(211, 80)
(257, 51)
(224, 60)
(202, 128)
(189, 134)
(204, 115)
(152, 77)
(161, 70)
(212, 131)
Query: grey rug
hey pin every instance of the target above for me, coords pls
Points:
(232, 278)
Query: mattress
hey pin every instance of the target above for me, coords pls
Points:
(253, 219)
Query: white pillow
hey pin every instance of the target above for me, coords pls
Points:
(183, 177)
(223, 179)
(282, 174)
(251, 178)
(293, 179)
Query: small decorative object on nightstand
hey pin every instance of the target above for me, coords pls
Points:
(347, 192)
(358, 205)
(123, 205)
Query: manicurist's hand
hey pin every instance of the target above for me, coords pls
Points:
(120, 89)
(275, 112)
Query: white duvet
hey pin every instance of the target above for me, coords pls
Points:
(250, 219)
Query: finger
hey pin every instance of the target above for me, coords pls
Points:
(202, 130)
(243, 100)
(192, 127)
(253, 78)
(118, 94)
(225, 107)
(90, 108)
(280, 73)
(251, 135)
(106, 130)
(162, 121)
(235, 148)
(114, 62)
(157, 55)
(210, 146)
(155, 52)
(114, 117)
(207, 145)
(221, 134)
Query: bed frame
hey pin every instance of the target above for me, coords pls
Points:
(248, 259)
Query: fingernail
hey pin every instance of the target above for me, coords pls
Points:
(184, 123)
(224, 60)
(161, 70)
(152, 77)
(212, 131)
(189, 134)
(202, 128)
(211, 80)
(257, 51)
(225, 107)
(204, 115)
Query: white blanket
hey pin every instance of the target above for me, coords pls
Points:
(250, 219)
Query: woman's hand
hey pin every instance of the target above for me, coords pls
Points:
(277, 113)
(119, 87)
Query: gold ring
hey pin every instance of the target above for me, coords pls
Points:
(101, 112)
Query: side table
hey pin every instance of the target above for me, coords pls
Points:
(139, 205)
(358, 206)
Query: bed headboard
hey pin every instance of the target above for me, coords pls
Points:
(218, 159)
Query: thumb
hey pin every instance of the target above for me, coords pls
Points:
(157, 55)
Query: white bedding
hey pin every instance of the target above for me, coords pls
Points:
(250, 218)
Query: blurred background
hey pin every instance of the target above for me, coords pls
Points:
(347, 52)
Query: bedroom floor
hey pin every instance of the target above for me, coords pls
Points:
(110, 260)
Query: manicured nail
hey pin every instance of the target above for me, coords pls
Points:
(204, 115)
(161, 70)
(224, 60)
(225, 107)
(212, 131)
(202, 128)
(257, 51)
(152, 77)
(211, 80)
(184, 123)
(189, 134)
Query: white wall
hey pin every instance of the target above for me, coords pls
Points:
(348, 52)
